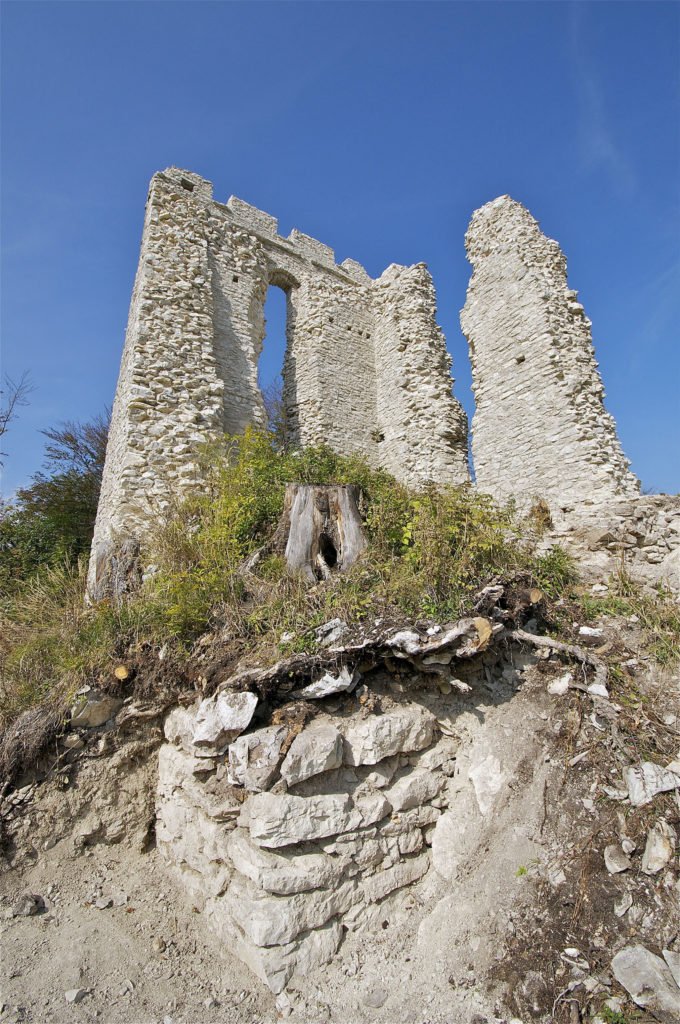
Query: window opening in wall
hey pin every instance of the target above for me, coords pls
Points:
(188, 185)
(270, 366)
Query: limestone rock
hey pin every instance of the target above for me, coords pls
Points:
(673, 962)
(221, 718)
(403, 729)
(659, 847)
(254, 758)
(449, 844)
(404, 821)
(268, 920)
(648, 981)
(279, 820)
(330, 682)
(644, 781)
(76, 995)
(414, 789)
(275, 965)
(377, 886)
(615, 859)
(318, 748)
(327, 634)
(488, 780)
(28, 905)
(94, 709)
(178, 727)
(443, 750)
(286, 872)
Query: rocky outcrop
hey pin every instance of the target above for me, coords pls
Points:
(309, 833)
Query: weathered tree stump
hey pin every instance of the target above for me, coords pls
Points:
(322, 528)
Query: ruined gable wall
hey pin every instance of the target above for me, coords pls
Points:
(195, 333)
(540, 426)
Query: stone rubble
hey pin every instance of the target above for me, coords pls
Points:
(659, 848)
(648, 981)
(646, 780)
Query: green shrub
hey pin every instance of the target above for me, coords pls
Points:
(428, 551)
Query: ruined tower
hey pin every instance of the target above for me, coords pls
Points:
(366, 368)
(540, 427)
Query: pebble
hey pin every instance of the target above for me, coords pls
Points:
(615, 859)
(624, 904)
(76, 995)
(28, 905)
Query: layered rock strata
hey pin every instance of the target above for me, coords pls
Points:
(284, 840)
(540, 428)
(366, 368)
(287, 827)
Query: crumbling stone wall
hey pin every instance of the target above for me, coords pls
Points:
(540, 427)
(366, 368)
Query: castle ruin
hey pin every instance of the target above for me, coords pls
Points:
(366, 368)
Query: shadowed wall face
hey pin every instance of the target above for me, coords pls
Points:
(366, 369)
(540, 426)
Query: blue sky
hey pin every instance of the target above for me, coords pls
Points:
(376, 127)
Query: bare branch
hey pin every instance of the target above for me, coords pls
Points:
(14, 394)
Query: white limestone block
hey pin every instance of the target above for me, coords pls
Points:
(221, 718)
(268, 920)
(254, 758)
(403, 729)
(377, 886)
(286, 872)
(317, 749)
(414, 789)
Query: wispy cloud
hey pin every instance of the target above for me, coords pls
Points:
(600, 149)
(661, 295)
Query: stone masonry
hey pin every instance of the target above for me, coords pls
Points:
(540, 427)
(366, 368)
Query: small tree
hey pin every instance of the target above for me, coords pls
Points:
(275, 408)
(13, 394)
(53, 518)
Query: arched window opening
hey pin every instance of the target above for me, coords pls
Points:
(270, 365)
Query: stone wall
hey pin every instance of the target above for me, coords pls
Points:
(540, 428)
(366, 368)
(639, 536)
(282, 837)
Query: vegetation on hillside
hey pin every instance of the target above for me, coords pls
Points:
(429, 551)
(50, 521)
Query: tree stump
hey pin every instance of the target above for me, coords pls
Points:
(323, 528)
